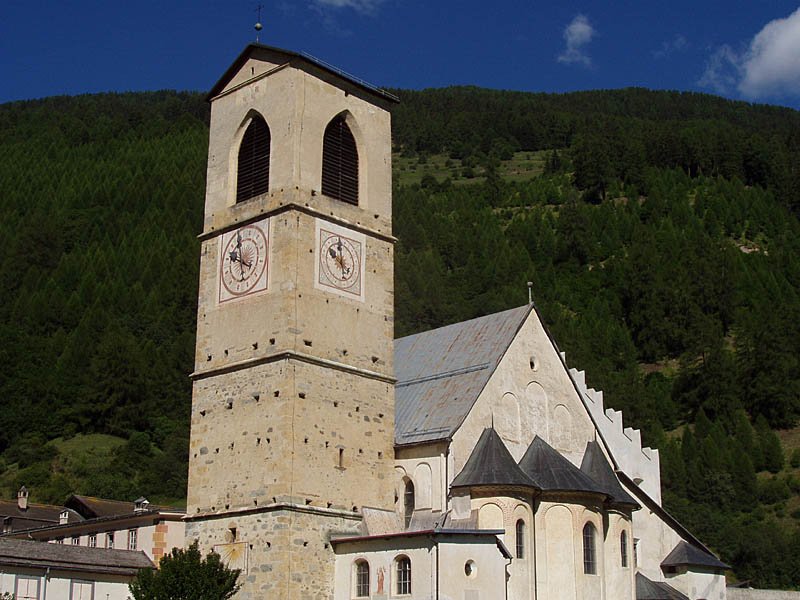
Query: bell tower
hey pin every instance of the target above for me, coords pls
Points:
(292, 428)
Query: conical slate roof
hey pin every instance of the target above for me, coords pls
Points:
(596, 466)
(647, 589)
(491, 464)
(553, 472)
(686, 554)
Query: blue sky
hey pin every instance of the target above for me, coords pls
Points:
(741, 49)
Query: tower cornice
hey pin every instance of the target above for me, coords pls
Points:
(306, 208)
(291, 355)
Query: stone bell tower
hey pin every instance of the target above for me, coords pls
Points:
(293, 397)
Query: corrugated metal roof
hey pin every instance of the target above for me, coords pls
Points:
(93, 508)
(25, 553)
(34, 512)
(440, 373)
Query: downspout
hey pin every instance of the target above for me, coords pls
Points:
(508, 576)
(446, 476)
(436, 547)
(533, 548)
(44, 587)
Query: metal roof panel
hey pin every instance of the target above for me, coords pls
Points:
(440, 373)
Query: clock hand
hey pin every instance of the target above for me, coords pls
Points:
(340, 257)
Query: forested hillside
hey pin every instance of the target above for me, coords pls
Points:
(659, 230)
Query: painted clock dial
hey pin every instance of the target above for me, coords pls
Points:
(340, 260)
(243, 261)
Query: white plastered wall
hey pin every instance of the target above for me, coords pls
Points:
(619, 579)
(59, 583)
(530, 393)
(486, 583)
(698, 583)
(559, 554)
(425, 466)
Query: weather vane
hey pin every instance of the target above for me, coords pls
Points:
(258, 26)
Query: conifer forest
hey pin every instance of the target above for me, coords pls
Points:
(660, 232)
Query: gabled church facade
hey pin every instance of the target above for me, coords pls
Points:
(328, 460)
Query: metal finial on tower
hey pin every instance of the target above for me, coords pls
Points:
(530, 293)
(258, 25)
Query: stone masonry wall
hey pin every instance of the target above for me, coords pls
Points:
(289, 555)
(290, 431)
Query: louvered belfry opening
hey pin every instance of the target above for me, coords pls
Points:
(340, 162)
(252, 177)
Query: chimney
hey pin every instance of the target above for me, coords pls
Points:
(22, 498)
(140, 505)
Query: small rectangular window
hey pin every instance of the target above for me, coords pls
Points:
(26, 588)
(92, 540)
(76, 540)
(82, 590)
(133, 534)
(110, 540)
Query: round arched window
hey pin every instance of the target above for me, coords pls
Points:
(589, 558)
(403, 575)
(520, 538)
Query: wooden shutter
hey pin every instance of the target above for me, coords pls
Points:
(252, 178)
(340, 162)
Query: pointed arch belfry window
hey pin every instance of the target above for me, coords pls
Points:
(340, 162)
(252, 174)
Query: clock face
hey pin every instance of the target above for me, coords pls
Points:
(340, 260)
(243, 261)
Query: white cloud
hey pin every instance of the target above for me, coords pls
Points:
(723, 70)
(676, 44)
(577, 35)
(362, 6)
(770, 66)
